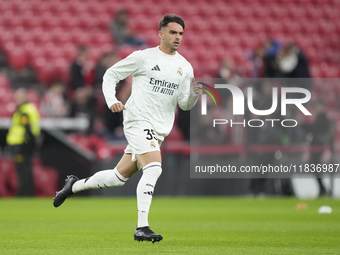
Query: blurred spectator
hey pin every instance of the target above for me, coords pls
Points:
(53, 103)
(270, 48)
(114, 121)
(211, 135)
(21, 138)
(183, 123)
(293, 62)
(266, 135)
(256, 59)
(3, 62)
(107, 60)
(83, 105)
(320, 130)
(120, 30)
(25, 78)
(81, 69)
(228, 71)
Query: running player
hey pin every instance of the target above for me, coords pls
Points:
(162, 78)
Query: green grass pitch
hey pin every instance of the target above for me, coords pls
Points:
(189, 226)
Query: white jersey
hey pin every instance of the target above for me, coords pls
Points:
(160, 81)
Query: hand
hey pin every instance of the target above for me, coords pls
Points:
(117, 107)
(196, 85)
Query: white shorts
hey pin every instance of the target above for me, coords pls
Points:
(141, 139)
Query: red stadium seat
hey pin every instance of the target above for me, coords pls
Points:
(229, 40)
(34, 21)
(151, 37)
(62, 69)
(260, 10)
(44, 70)
(17, 21)
(69, 51)
(49, 20)
(103, 21)
(278, 11)
(207, 9)
(217, 25)
(4, 82)
(18, 32)
(211, 39)
(96, 9)
(291, 26)
(34, 97)
(175, 134)
(62, 6)
(303, 41)
(53, 30)
(326, 27)
(243, 10)
(155, 10)
(312, 55)
(8, 16)
(8, 177)
(334, 42)
(60, 35)
(2, 22)
(189, 9)
(17, 58)
(237, 25)
(7, 6)
(190, 38)
(51, 50)
(42, 7)
(86, 21)
(38, 33)
(67, 20)
(99, 38)
(312, 12)
(6, 37)
(296, 10)
(33, 51)
(126, 51)
(9, 108)
(45, 179)
(248, 41)
(79, 37)
(27, 16)
(254, 25)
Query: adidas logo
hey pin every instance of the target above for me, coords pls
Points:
(156, 68)
(148, 193)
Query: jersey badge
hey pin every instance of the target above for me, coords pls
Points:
(180, 71)
(152, 144)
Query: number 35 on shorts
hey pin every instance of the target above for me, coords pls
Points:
(150, 134)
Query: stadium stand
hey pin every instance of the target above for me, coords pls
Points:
(46, 34)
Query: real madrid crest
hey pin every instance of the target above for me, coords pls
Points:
(152, 144)
(180, 71)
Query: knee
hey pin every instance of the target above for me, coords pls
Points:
(153, 169)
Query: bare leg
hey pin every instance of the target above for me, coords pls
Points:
(149, 157)
(125, 167)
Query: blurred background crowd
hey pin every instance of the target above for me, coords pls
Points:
(59, 50)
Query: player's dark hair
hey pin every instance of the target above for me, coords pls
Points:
(168, 18)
